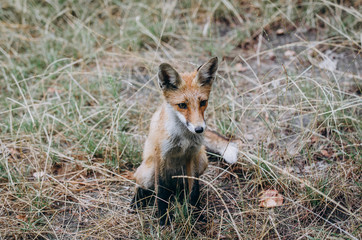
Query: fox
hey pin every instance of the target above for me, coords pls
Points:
(178, 139)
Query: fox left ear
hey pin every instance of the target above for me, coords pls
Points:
(206, 72)
(168, 77)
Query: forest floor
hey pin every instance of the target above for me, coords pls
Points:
(78, 87)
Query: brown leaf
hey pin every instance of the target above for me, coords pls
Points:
(21, 217)
(271, 198)
(326, 153)
(129, 175)
(67, 169)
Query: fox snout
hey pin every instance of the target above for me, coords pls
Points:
(197, 128)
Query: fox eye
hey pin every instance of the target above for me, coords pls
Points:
(182, 105)
(203, 103)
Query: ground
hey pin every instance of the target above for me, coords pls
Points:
(78, 87)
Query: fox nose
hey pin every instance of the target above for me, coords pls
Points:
(199, 129)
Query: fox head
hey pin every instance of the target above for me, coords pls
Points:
(188, 94)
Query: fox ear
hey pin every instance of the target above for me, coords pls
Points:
(168, 78)
(206, 72)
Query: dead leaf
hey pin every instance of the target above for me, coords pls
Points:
(63, 169)
(271, 198)
(326, 153)
(129, 175)
(21, 217)
(280, 31)
(289, 53)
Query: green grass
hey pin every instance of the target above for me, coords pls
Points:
(78, 88)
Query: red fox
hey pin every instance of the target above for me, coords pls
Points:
(177, 138)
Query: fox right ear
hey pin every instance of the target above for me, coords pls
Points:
(168, 78)
(206, 72)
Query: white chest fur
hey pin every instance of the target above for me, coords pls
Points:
(181, 143)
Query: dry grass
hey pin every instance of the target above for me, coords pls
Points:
(77, 90)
